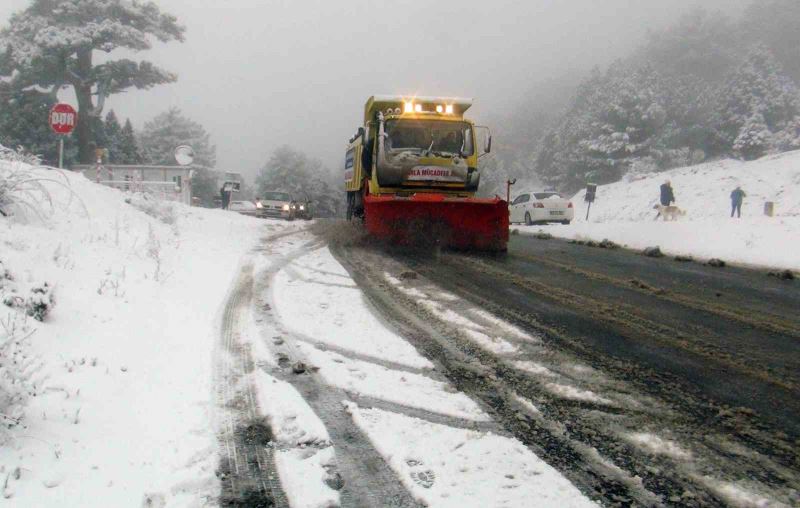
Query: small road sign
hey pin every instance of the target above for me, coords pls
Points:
(63, 118)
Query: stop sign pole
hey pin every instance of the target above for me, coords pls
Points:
(63, 119)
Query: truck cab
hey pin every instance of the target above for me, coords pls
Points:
(413, 145)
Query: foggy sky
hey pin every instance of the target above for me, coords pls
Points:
(261, 73)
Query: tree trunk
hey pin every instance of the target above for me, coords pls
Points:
(83, 92)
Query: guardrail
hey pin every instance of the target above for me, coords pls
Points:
(162, 190)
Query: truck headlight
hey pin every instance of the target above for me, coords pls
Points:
(285, 208)
(302, 207)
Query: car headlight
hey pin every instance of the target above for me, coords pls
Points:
(302, 207)
(286, 208)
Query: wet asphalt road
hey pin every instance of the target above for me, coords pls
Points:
(730, 335)
(715, 349)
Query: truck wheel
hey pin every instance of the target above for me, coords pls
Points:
(565, 222)
(528, 220)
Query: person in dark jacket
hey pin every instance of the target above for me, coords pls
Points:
(225, 194)
(667, 196)
(737, 196)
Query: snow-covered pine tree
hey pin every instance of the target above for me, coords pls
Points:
(756, 92)
(160, 136)
(614, 119)
(52, 44)
(113, 131)
(789, 137)
(754, 138)
(128, 146)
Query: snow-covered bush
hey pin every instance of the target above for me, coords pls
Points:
(754, 138)
(40, 302)
(16, 369)
(17, 366)
(24, 191)
(162, 210)
(19, 155)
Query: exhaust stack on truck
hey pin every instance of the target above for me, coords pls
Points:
(411, 174)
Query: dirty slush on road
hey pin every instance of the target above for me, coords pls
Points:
(621, 428)
(550, 373)
(248, 470)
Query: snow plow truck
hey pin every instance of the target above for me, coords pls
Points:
(411, 175)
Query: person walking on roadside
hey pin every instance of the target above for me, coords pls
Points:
(225, 194)
(667, 196)
(737, 196)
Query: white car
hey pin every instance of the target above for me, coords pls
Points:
(243, 207)
(541, 208)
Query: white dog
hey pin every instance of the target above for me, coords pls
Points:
(669, 213)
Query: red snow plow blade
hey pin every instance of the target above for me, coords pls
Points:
(436, 219)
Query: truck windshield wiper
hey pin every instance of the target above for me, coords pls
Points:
(430, 147)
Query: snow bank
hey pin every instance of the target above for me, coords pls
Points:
(122, 412)
(623, 212)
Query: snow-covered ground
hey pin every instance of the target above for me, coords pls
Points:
(623, 213)
(120, 408)
(322, 319)
(118, 405)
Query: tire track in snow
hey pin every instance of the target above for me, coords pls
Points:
(368, 479)
(247, 466)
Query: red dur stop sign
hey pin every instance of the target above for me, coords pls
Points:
(63, 118)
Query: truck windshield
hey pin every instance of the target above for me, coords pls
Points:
(276, 196)
(436, 137)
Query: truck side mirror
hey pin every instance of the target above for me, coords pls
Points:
(487, 139)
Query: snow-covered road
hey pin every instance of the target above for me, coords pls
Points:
(354, 405)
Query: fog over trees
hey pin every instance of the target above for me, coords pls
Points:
(574, 91)
(709, 86)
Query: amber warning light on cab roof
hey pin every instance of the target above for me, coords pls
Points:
(412, 107)
(397, 105)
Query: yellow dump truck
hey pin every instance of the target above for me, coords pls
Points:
(411, 173)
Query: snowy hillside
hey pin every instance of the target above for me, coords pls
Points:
(623, 212)
(108, 397)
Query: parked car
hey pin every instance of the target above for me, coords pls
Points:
(541, 208)
(277, 205)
